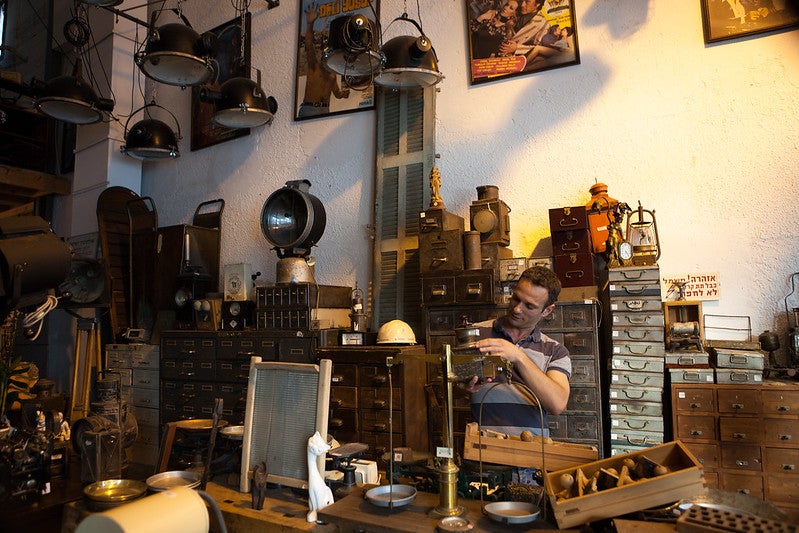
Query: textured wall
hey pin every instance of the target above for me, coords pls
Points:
(704, 135)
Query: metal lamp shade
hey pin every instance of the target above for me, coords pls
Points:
(351, 48)
(70, 99)
(151, 139)
(175, 55)
(410, 62)
(102, 3)
(293, 220)
(243, 104)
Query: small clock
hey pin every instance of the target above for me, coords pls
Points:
(625, 252)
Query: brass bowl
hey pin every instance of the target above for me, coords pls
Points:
(109, 493)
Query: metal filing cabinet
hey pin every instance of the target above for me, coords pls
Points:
(199, 366)
(137, 367)
(637, 362)
(745, 436)
(361, 398)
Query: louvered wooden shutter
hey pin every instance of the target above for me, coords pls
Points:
(405, 156)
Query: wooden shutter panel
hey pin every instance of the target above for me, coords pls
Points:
(405, 157)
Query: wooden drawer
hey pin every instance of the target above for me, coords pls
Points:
(344, 421)
(583, 399)
(695, 400)
(740, 430)
(344, 397)
(582, 427)
(571, 242)
(377, 376)
(376, 420)
(693, 427)
(712, 480)
(781, 461)
(782, 488)
(378, 398)
(739, 401)
(741, 457)
(748, 484)
(780, 402)
(577, 316)
(706, 453)
(344, 375)
(780, 431)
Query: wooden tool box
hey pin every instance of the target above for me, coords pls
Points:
(684, 479)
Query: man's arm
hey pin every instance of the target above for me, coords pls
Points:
(310, 52)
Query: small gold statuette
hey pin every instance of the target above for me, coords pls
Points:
(435, 189)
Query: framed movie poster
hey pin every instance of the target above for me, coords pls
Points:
(319, 92)
(728, 19)
(514, 37)
(227, 64)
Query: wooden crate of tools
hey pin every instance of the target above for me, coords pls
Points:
(624, 484)
(511, 450)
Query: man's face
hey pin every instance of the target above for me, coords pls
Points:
(528, 305)
(530, 6)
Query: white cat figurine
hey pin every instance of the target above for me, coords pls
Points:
(319, 494)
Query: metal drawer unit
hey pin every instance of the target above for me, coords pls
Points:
(137, 366)
(637, 365)
(199, 366)
(361, 399)
(745, 436)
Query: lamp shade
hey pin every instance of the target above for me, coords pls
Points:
(351, 47)
(102, 3)
(150, 138)
(243, 104)
(72, 99)
(410, 62)
(175, 54)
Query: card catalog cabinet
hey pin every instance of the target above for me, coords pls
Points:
(372, 407)
(199, 366)
(746, 437)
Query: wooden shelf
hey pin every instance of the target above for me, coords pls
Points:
(21, 188)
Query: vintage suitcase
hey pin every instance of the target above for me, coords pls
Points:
(744, 359)
(634, 273)
(568, 218)
(692, 375)
(737, 376)
(687, 359)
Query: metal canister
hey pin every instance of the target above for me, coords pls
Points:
(472, 251)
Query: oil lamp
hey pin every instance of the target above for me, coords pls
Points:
(642, 234)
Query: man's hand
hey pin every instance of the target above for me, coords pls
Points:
(475, 384)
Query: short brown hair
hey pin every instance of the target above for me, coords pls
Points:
(543, 277)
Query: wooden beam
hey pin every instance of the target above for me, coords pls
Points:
(38, 183)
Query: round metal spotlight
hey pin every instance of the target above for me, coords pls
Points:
(351, 48)
(292, 220)
(243, 104)
(176, 55)
(151, 138)
(410, 62)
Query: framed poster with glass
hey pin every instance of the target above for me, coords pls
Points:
(318, 91)
(729, 19)
(515, 37)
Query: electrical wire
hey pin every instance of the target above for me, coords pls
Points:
(36, 317)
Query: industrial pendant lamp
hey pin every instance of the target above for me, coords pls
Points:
(72, 99)
(102, 3)
(175, 54)
(151, 139)
(410, 61)
(352, 47)
(242, 103)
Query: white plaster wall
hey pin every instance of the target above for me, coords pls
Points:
(704, 135)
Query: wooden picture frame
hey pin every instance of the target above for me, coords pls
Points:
(227, 64)
(329, 94)
(516, 37)
(729, 19)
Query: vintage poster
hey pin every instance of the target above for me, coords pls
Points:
(319, 92)
(515, 37)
